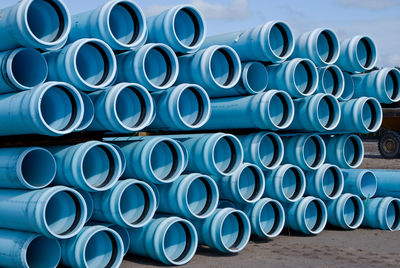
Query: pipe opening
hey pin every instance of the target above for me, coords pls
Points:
(46, 20)
(271, 219)
(134, 204)
(369, 115)
(392, 85)
(303, 77)
(279, 110)
(353, 151)
(131, 107)
(187, 27)
(101, 250)
(158, 66)
(348, 91)
(314, 216)
(332, 182)
(255, 77)
(327, 114)
(177, 242)
(28, 68)
(37, 167)
(99, 166)
(326, 46)
(222, 67)
(58, 108)
(364, 52)
(191, 106)
(63, 222)
(164, 160)
(124, 23)
(43, 252)
(250, 183)
(331, 81)
(88, 112)
(225, 155)
(312, 151)
(269, 151)
(93, 63)
(368, 184)
(393, 215)
(352, 212)
(232, 232)
(200, 197)
(279, 40)
(123, 233)
(292, 184)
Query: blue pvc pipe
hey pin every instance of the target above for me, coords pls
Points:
(320, 45)
(388, 182)
(53, 109)
(216, 69)
(184, 107)
(382, 213)
(191, 196)
(88, 201)
(94, 246)
(331, 81)
(286, 184)
(383, 84)
(89, 64)
(22, 69)
(154, 66)
(156, 159)
(308, 215)
(129, 203)
(349, 87)
(267, 217)
(122, 108)
(123, 233)
(170, 240)
(39, 211)
(223, 203)
(345, 151)
(180, 27)
(269, 42)
(226, 230)
(264, 149)
(88, 112)
(361, 182)
(357, 54)
(26, 168)
(325, 183)
(41, 24)
(22, 249)
(318, 113)
(307, 151)
(217, 154)
(271, 110)
(298, 77)
(362, 115)
(245, 186)
(91, 166)
(122, 156)
(120, 23)
(346, 212)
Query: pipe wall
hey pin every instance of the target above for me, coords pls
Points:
(326, 182)
(345, 151)
(382, 213)
(388, 182)
(360, 182)
(346, 212)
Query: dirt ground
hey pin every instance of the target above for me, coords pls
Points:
(331, 248)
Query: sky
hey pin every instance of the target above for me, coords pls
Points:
(379, 19)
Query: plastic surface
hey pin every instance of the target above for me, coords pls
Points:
(388, 182)
(331, 81)
(361, 182)
(382, 213)
(346, 212)
(345, 151)
(325, 183)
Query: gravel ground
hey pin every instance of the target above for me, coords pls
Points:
(331, 248)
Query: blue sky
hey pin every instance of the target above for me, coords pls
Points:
(380, 19)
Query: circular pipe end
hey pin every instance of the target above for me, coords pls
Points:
(88, 112)
(250, 183)
(227, 154)
(367, 183)
(392, 85)
(42, 252)
(365, 53)
(280, 109)
(349, 87)
(353, 151)
(332, 182)
(314, 152)
(332, 80)
(327, 46)
(235, 231)
(271, 218)
(353, 211)
(371, 114)
(254, 77)
(280, 41)
(292, 183)
(392, 215)
(270, 151)
(305, 77)
(328, 112)
(315, 215)
(124, 234)
(224, 67)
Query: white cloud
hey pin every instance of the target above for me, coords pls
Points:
(370, 4)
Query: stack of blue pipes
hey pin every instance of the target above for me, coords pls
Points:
(245, 133)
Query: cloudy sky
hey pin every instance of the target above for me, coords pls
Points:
(380, 19)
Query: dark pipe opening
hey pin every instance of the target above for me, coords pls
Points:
(146, 204)
(331, 110)
(356, 211)
(114, 254)
(298, 183)
(200, 106)
(78, 214)
(396, 215)
(356, 157)
(335, 79)
(318, 149)
(331, 46)
(188, 243)
(240, 236)
(368, 49)
(319, 216)
(196, 25)
(135, 21)
(111, 170)
(395, 81)
(174, 162)
(276, 220)
(168, 64)
(310, 77)
(275, 146)
(285, 109)
(208, 198)
(374, 112)
(143, 109)
(285, 40)
(233, 159)
(257, 185)
(336, 183)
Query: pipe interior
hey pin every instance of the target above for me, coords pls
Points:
(58, 108)
(177, 242)
(123, 233)
(88, 201)
(99, 166)
(279, 40)
(269, 150)
(326, 112)
(368, 184)
(66, 220)
(38, 167)
(326, 46)
(88, 112)
(331, 182)
(200, 196)
(330, 80)
(250, 183)
(134, 204)
(225, 155)
(158, 66)
(313, 151)
(393, 215)
(256, 77)
(124, 23)
(101, 250)
(187, 27)
(164, 160)
(278, 109)
(352, 151)
(232, 231)
(291, 183)
(348, 87)
(222, 67)
(369, 115)
(46, 20)
(29, 68)
(313, 216)
(43, 252)
(131, 107)
(191, 106)
(270, 218)
(303, 77)
(352, 212)
(364, 52)
(93, 64)
(392, 85)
